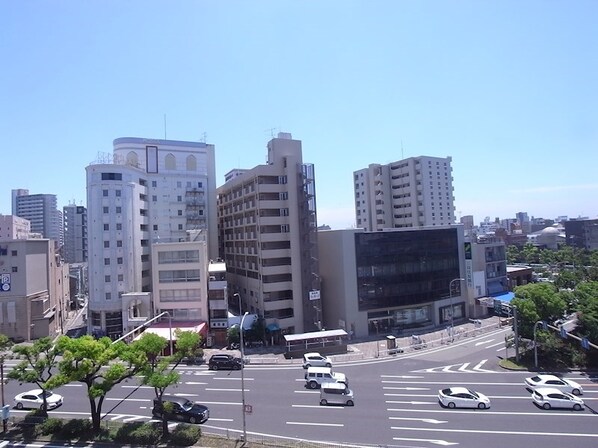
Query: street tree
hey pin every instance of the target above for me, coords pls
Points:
(537, 302)
(586, 299)
(38, 365)
(159, 371)
(100, 364)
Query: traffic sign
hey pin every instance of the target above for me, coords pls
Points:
(585, 343)
(248, 409)
(563, 333)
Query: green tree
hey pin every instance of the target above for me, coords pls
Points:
(566, 279)
(39, 361)
(537, 302)
(159, 372)
(586, 298)
(100, 364)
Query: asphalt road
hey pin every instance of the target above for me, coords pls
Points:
(395, 402)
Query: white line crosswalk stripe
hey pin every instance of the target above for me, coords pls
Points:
(457, 368)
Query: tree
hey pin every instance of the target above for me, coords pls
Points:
(37, 366)
(535, 302)
(100, 364)
(160, 373)
(586, 298)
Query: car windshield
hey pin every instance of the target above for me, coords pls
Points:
(47, 393)
(475, 394)
(187, 405)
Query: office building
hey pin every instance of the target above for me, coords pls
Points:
(14, 228)
(41, 211)
(74, 249)
(582, 233)
(147, 191)
(411, 193)
(393, 281)
(268, 238)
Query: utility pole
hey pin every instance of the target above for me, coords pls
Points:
(516, 330)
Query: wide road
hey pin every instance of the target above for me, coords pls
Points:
(395, 402)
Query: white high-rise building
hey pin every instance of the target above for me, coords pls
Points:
(414, 192)
(268, 237)
(149, 191)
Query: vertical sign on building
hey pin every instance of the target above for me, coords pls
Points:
(468, 265)
(5, 282)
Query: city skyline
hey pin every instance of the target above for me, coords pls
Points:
(505, 89)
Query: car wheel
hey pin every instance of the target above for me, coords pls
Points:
(576, 392)
(328, 365)
(19, 405)
(451, 405)
(577, 407)
(307, 366)
(481, 406)
(313, 385)
(237, 367)
(350, 403)
(546, 406)
(323, 402)
(193, 420)
(214, 367)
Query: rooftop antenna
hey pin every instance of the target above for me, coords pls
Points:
(271, 131)
(204, 137)
(165, 127)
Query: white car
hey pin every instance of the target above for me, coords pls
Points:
(548, 397)
(316, 360)
(461, 397)
(553, 381)
(34, 399)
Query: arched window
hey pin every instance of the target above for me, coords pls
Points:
(170, 162)
(132, 159)
(191, 163)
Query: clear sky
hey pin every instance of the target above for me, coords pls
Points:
(508, 89)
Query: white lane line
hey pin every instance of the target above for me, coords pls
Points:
(225, 390)
(432, 441)
(481, 431)
(337, 425)
(487, 341)
(425, 420)
(316, 406)
(497, 344)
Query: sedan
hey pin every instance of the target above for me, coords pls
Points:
(548, 397)
(34, 399)
(462, 397)
(553, 381)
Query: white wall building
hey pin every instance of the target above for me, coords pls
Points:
(413, 192)
(14, 227)
(149, 191)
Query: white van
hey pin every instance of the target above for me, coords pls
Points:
(315, 376)
(336, 393)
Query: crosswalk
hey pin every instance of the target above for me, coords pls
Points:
(457, 368)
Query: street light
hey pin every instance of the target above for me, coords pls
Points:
(238, 296)
(451, 298)
(243, 376)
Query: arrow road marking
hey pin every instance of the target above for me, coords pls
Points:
(435, 442)
(400, 376)
(425, 420)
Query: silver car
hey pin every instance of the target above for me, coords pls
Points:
(548, 397)
(461, 397)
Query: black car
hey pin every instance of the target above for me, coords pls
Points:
(180, 408)
(224, 361)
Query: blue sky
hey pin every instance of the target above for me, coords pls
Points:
(506, 88)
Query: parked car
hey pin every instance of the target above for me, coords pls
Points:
(336, 393)
(461, 397)
(316, 360)
(549, 397)
(180, 408)
(553, 381)
(224, 361)
(34, 399)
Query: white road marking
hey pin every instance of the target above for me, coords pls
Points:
(425, 420)
(482, 431)
(337, 425)
(484, 342)
(433, 441)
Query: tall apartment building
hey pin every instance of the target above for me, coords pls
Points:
(414, 192)
(149, 191)
(268, 238)
(41, 211)
(14, 228)
(74, 249)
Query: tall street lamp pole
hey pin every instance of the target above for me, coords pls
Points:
(452, 310)
(238, 296)
(243, 377)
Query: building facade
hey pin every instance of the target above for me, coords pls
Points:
(34, 289)
(14, 228)
(74, 249)
(268, 238)
(411, 193)
(392, 281)
(41, 211)
(148, 191)
(582, 233)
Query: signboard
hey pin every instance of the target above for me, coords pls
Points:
(585, 343)
(314, 294)
(563, 333)
(5, 412)
(5, 283)
(248, 409)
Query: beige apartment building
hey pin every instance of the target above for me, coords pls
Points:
(268, 238)
(411, 193)
(34, 289)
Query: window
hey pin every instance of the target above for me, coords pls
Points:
(155, 226)
(154, 183)
(119, 260)
(119, 210)
(112, 176)
(15, 269)
(117, 193)
(105, 193)
(106, 244)
(179, 212)
(105, 209)
(106, 261)
(108, 296)
(121, 277)
(180, 227)
(106, 226)
(13, 253)
(106, 278)
(119, 226)
(179, 199)
(154, 198)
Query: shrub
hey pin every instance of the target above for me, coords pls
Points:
(185, 435)
(76, 429)
(139, 434)
(51, 426)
